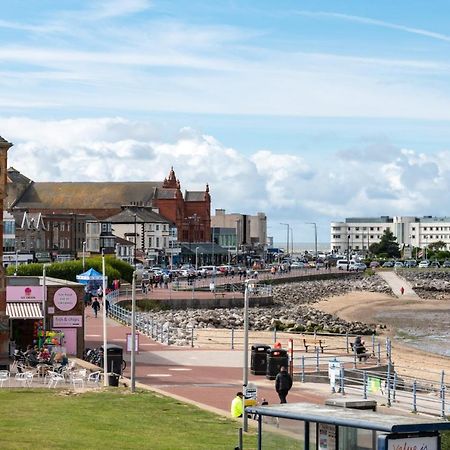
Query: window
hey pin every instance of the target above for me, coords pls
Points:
(157, 242)
(357, 228)
(357, 236)
(61, 226)
(150, 241)
(157, 227)
(9, 227)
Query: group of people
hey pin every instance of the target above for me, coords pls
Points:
(283, 384)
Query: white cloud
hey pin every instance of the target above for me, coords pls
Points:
(285, 186)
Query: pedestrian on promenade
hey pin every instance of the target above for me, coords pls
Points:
(237, 405)
(283, 384)
(402, 290)
(95, 306)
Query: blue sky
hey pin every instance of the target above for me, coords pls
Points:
(306, 110)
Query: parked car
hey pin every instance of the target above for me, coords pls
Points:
(357, 267)
(435, 265)
(342, 264)
(424, 264)
(398, 264)
(297, 265)
(374, 264)
(388, 264)
(410, 263)
(207, 270)
(446, 264)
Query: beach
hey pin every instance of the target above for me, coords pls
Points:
(418, 328)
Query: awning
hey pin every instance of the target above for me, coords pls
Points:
(24, 310)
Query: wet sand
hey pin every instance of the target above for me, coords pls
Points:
(412, 325)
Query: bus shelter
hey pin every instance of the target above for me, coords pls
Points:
(310, 426)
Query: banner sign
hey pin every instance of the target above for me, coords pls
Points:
(24, 293)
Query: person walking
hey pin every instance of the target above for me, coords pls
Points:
(402, 290)
(96, 306)
(283, 384)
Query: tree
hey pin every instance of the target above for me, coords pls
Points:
(387, 245)
(438, 245)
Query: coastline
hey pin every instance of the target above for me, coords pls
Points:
(371, 307)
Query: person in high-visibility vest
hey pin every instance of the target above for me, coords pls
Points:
(237, 405)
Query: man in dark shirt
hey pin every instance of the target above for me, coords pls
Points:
(283, 383)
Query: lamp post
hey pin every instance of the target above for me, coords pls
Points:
(315, 238)
(84, 251)
(196, 258)
(245, 363)
(135, 241)
(44, 298)
(105, 340)
(133, 332)
(348, 251)
(292, 240)
(287, 236)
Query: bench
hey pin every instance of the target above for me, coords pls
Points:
(316, 343)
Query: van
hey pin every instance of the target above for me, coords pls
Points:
(342, 264)
(207, 270)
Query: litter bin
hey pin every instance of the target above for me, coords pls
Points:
(276, 357)
(113, 379)
(114, 358)
(258, 362)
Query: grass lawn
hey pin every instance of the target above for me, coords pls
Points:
(111, 419)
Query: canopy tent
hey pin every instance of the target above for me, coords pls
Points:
(90, 275)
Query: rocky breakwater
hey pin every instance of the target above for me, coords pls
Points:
(292, 311)
(429, 283)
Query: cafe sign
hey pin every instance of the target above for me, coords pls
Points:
(24, 293)
(67, 321)
(65, 299)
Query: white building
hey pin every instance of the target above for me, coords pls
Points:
(357, 234)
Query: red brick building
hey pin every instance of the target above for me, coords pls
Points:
(191, 211)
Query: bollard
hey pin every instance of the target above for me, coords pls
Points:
(275, 334)
(317, 359)
(354, 357)
(442, 380)
(373, 344)
(414, 397)
(379, 354)
(192, 337)
(303, 368)
(232, 339)
(346, 342)
(365, 385)
(168, 335)
(342, 390)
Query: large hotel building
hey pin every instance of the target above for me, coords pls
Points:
(358, 233)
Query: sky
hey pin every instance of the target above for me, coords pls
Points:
(307, 110)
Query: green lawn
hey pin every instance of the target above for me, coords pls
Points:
(113, 419)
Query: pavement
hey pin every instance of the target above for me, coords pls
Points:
(210, 378)
(396, 282)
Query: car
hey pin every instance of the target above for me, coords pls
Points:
(388, 264)
(410, 263)
(342, 264)
(207, 270)
(398, 264)
(297, 265)
(446, 264)
(424, 264)
(374, 264)
(357, 267)
(435, 265)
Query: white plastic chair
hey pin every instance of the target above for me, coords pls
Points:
(25, 379)
(94, 378)
(4, 376)
(54, 379)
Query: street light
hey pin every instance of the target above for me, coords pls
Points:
(133, 332)
(315, 237)
(105, 340)
(196, 257)
(348, 251)
(84, 251)
(287, 237)
(292, 240)
(245, 365)
(135, 241)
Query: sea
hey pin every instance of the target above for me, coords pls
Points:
(301, 247)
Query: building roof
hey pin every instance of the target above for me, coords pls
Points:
(88, 195)
(143, 215)
(194, 196)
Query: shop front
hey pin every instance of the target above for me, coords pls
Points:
(49, 311)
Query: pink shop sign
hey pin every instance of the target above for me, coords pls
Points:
(24, 293)
(65, 299)
(67, 321)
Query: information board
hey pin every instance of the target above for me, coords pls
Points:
(326, 436)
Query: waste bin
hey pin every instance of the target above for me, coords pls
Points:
(258, 362)
(113, 379)
(114, 355)
(276, 357)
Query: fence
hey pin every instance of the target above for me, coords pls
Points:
(376, 378)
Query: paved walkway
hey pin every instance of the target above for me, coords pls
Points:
(395, 282)
(210, 378)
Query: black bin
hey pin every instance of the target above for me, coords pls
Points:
(114, 358)
(113, 380)
(258, 362)
(276, 358)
